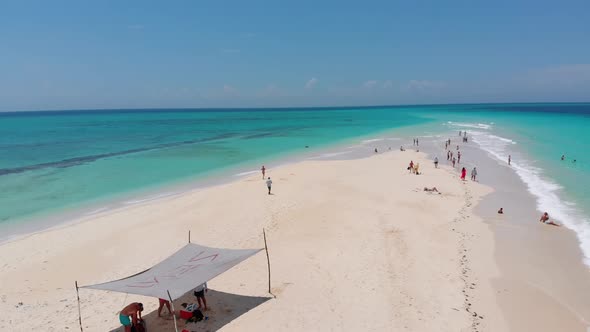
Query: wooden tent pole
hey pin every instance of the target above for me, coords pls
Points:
(268, 262)
(79, 311)
(173, 310)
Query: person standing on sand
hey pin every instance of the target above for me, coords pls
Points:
(448, 155)
(458, 157)
(263, 169)
(463, 173)
(417, 143)
(269, 184)
(132, 310)
(454, 160)
(435, 162)
(411, 168)
(473, 173)
(202, 288)
(509, 159)
(161, 306)
(416, 168)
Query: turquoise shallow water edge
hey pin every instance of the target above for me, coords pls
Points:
(58, 161)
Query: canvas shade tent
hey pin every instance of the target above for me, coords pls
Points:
(178, 274)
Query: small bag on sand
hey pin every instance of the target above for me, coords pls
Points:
(139, 327)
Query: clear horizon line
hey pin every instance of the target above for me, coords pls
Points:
(286, 107)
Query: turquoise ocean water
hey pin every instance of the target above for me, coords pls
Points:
(55, 161)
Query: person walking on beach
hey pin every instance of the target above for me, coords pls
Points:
(132, 310)
(263, 169)
(435, 162)
(411, 168)
(463, 173)
(449, 155)
(269, 184)
(509, 159)
(458, 157)
(473, 174)
(202, 288)
(454, 160)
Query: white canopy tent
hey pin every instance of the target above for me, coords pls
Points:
(189, 267)
(178, 274)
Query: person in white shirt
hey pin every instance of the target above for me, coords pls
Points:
(200, 294)
(269, 184)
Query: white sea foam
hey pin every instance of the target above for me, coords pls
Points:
(546, 191)
(246, 173)
(99, 210)
(149, 198)
(469, 125)
(373, 140)
(330, 154)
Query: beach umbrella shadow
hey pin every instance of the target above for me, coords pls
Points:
(223, 308)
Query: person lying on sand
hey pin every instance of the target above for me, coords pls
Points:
(433, 189)
(545, 219)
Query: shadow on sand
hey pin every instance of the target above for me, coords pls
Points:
(223, 308)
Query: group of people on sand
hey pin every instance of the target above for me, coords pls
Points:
(457, 160)
(130, 316)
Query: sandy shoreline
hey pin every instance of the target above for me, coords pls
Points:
(541, 266)
(355, 244)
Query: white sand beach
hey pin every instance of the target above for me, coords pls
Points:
(354, 245)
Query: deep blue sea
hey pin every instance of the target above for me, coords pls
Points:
(57, 161)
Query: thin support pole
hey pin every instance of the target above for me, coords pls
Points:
(268, 262)
(173, 310)
(79, 311)
(189, 236)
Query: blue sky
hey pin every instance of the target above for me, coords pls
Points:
(133, 54)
